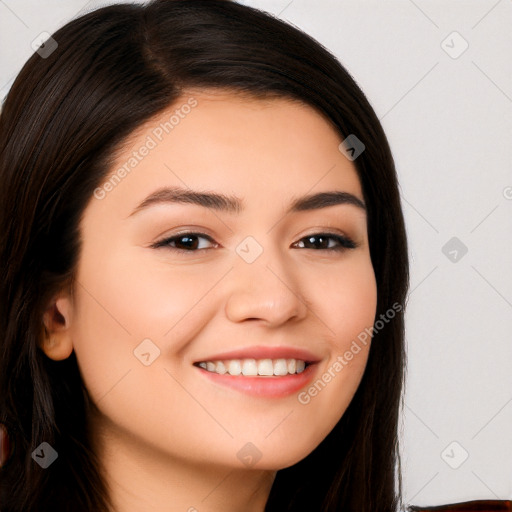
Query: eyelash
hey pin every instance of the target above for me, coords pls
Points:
(344, 242)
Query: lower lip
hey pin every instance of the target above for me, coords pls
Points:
(272, 386)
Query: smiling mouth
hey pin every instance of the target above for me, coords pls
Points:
(255, 367)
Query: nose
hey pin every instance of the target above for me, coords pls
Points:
(264, 290)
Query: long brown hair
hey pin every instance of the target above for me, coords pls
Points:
(62, 122)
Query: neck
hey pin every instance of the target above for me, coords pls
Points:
(141, 478)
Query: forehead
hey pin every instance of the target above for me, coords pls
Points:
(254, 148)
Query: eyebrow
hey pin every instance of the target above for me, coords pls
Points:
(232, 204)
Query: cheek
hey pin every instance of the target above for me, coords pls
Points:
(346, 301)
(347, 305)
(142, 298)
(123, 302)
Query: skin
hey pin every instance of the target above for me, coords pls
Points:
(168, 437)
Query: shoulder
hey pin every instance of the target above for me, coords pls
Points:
(468, 506)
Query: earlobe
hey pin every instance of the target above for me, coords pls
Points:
(57, 343)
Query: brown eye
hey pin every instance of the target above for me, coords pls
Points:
(323, 241)
(186, 242)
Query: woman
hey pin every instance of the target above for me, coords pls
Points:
(204, 271)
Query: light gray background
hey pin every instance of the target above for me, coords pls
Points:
(449, 123)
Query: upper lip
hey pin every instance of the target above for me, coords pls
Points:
(264, 352)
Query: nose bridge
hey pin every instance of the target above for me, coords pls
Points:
(263, 284)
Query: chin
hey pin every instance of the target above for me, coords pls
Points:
(281, 458)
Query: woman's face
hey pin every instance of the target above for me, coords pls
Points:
(254, 276)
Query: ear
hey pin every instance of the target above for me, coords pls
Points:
(57, 343)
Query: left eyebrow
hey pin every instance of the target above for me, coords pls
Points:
(232, 204)
(325, 199)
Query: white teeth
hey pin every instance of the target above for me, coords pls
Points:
(265, 367)
(249, 367)
(253, 367)
(234, 367)
(280, 367)
(221, 368)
